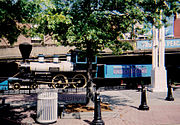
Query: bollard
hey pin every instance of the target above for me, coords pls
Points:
(97, 111)
(61, 107)
(169, 94)
(3, 101)
(143, 105)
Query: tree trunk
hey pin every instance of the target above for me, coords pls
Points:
(89, 54)
(89, 89)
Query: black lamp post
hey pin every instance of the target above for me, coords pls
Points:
(169, 93)
(143, 105)
(97, 111)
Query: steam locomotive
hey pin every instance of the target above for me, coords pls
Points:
(70, 72)
(54, 73)
(67, 72)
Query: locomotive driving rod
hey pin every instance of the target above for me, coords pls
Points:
(16, 74)
(55, 82)
(66, 84)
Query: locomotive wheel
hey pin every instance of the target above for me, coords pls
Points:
(16, 86)
(79, 80)
(34, 86)
(59, 81)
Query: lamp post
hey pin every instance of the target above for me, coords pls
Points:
(97, 111)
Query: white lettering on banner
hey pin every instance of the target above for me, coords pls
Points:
(169, 43)
(129, 70)
(144, 70)
(146, 44)
(173, 43)
(117, 71)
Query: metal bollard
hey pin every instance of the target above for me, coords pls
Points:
(169, 94)
(97, 111)
(143, 105)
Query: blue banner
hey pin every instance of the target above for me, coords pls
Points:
(146, 44)
(127, 71)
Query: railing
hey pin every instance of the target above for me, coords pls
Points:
(60, 90)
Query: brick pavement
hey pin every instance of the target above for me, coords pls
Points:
(125, 105)
(125, 112)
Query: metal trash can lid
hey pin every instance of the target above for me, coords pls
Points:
(47, 93)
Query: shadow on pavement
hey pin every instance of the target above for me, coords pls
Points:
(87, 121)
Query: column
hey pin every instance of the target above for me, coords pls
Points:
(158, 73)
(155, 48)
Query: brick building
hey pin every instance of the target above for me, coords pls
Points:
(177, 27)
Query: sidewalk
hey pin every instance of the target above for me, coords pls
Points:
(126, 113)
(125, 105)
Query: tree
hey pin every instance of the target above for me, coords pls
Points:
(13, 13)
(94, 27)
(91, 25)
(51, 20)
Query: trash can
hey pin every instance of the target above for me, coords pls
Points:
(47, 105)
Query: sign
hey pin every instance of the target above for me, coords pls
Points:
(128, 71)
(146, 44)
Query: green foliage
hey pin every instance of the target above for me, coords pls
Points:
(80, 23)
(101, 22)
(50, 20)
(12, 14)
(119, 47)
(95, 24)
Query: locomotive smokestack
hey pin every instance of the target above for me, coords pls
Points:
(25, 49)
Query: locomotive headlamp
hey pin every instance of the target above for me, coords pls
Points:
(68, 57)
(41, 58)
